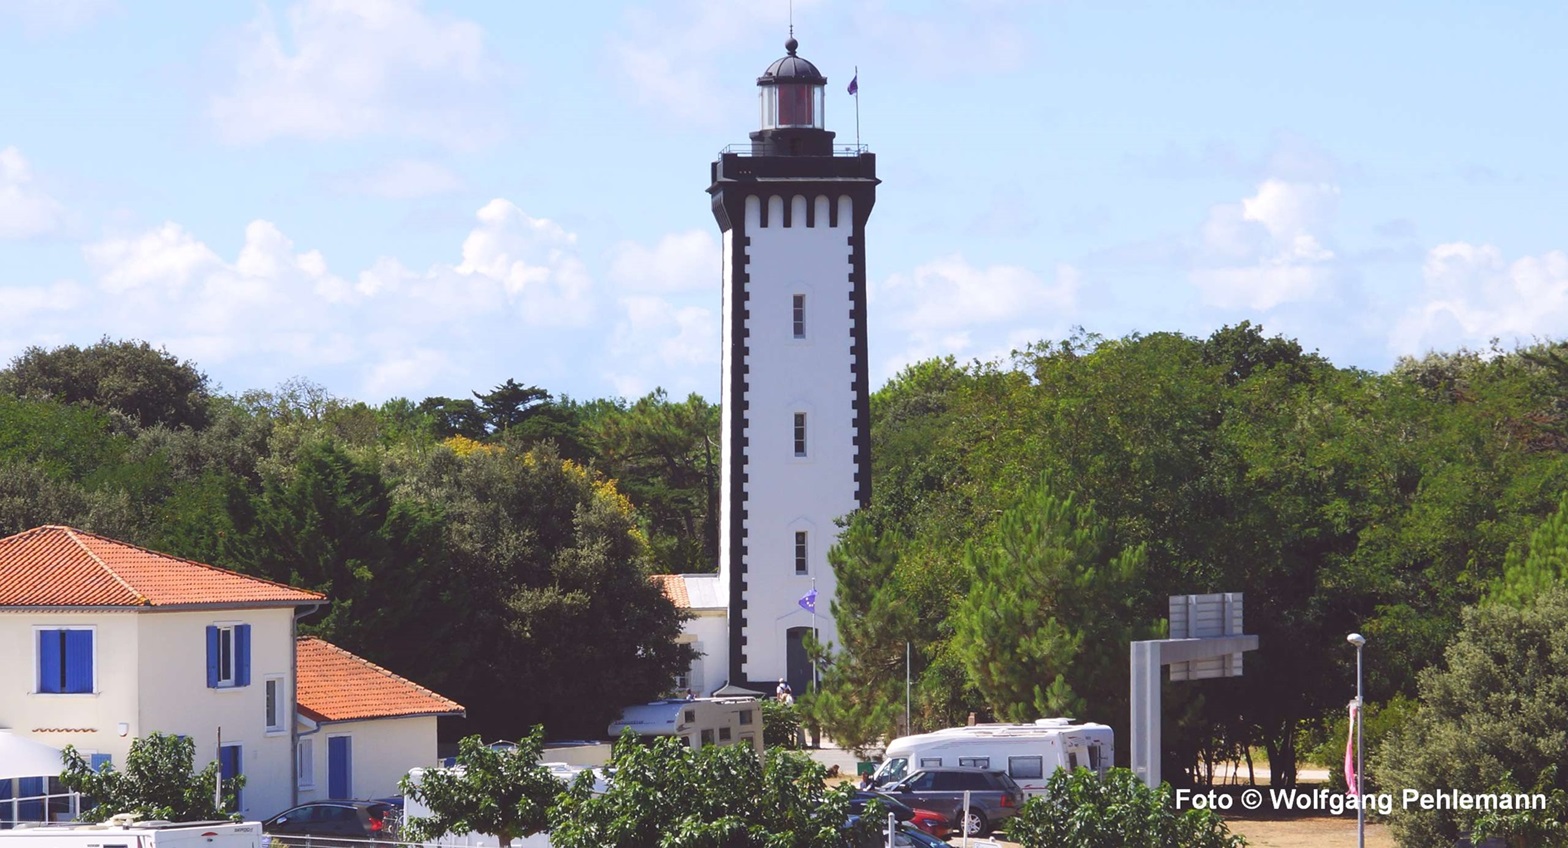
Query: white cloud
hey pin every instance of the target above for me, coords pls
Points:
(25, 212)
(1473, 295)
(348, 68)
(679, 262)
(403, 179)
(666, 53)
(41, 16)
(948, 306)
(1266, 250)
(517, 291)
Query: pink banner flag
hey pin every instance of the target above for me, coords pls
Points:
(1350, 756)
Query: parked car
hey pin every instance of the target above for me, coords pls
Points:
(993, 796)
(331, 824)
(907, 836)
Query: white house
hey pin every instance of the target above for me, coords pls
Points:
(361, 727)
(707, 631)
(102, 642)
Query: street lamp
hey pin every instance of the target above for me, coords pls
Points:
(1361, 810)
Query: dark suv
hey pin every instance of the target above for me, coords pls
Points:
(993, 796)
(332, 824)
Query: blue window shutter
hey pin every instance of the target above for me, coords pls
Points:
(230, 767)
(339, 767)
(212, 657)
(49, 660)
(78, 661)
(242, 655)
(101, 760)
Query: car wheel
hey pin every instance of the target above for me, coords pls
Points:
(973, 823)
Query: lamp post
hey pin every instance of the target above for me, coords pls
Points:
(1361, 811)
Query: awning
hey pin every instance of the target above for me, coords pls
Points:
(24, 757)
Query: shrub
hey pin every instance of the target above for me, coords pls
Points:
(1082, 810)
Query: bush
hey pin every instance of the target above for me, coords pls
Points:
(1082, 810)
(780, 724)
(1492, 718)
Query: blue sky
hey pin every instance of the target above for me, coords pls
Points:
(395, 198)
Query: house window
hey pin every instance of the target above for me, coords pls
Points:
(800, 434)
(307, 762)
(228, 655)
(799, 316)
(800, 552)
(230, 766)
(274, 704)
(65, 661)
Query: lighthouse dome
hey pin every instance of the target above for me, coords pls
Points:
(791, 69)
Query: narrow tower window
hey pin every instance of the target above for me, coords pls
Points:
(800, 434)
(800, 552)
(800, 316)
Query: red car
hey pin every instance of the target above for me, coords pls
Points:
(933, 823)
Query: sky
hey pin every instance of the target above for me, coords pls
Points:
(394, 198)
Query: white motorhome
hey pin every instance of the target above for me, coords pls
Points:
(1029, 753)
(125, 832)
(698, 721)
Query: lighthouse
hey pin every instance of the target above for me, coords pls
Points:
(792, 209)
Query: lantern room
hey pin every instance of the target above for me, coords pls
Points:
(792, 93)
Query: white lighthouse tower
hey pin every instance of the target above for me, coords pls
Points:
(795, 401)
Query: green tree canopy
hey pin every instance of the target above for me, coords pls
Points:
(503, 792)
(149, 385)
(1492, 718)
(158, 782)
(1080, 809)
(665, 794)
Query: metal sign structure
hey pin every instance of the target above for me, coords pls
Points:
(1206, 642)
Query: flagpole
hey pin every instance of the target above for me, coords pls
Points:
(813, 631)
(857, 108)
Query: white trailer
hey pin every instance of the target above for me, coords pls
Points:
(1029, 753)
(124, 832)
(700, 722)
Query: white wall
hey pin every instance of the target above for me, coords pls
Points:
(382, 751)
(708, 632)
(174, 697)
(786, 375)
(151, 675)
(88, 721)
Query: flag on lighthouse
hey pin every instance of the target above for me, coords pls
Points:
(854, 84)
(808, 601)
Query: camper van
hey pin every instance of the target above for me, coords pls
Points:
(124, 832)
(1029, 753)
(698, 721)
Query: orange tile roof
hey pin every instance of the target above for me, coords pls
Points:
(335, 685)
(674, 586)
(64, 567)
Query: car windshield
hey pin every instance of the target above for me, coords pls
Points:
(891, 771)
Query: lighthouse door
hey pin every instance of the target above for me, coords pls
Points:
(796, 664)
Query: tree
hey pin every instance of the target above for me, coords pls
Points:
(780, 724)
(545, 572)
(665, 794)
(506, 793)
(1079, 809)
(150, 385)
(1044, 627)
(157, 782)
(1490, 719)
(1537, 566)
